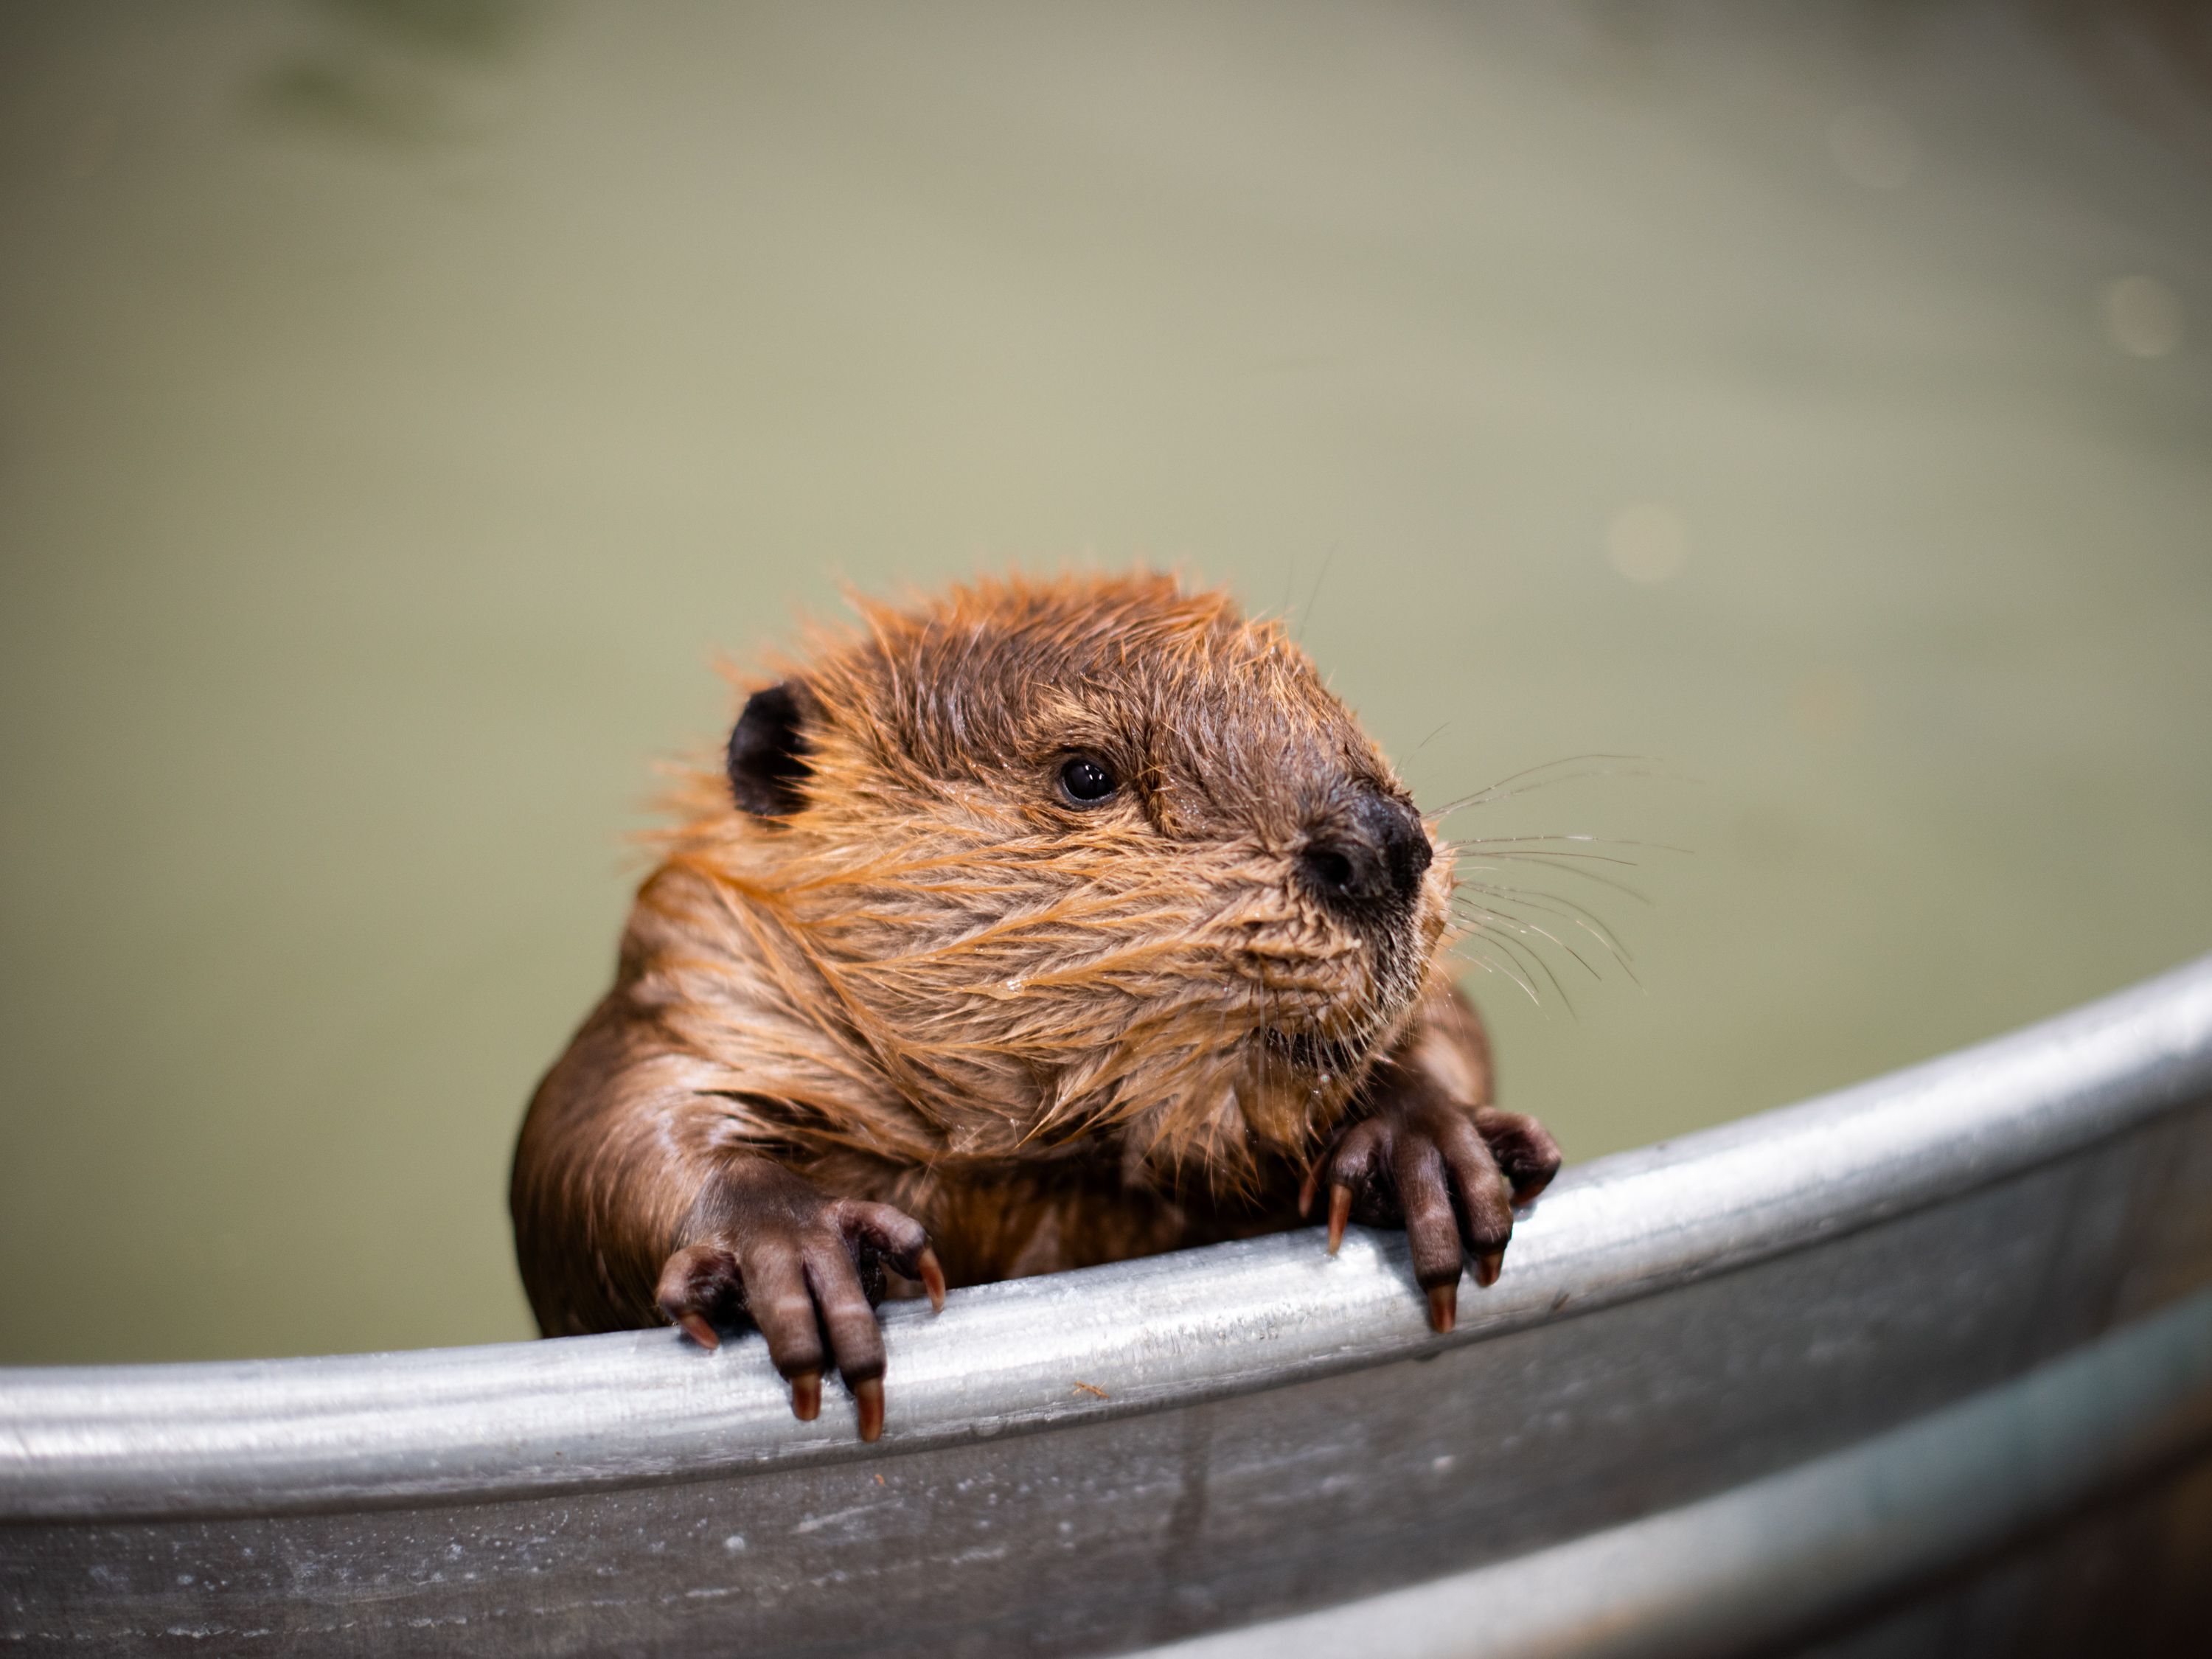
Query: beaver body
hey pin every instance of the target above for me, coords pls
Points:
(1042, 925)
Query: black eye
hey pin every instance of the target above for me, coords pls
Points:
(1086, 782)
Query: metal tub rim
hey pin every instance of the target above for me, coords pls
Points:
(515, 1419)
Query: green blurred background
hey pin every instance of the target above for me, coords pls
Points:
(401, 405)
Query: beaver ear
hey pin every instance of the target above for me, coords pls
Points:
(768, 762)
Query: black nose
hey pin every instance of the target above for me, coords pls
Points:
(1370, 862)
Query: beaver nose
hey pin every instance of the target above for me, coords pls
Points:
(1371, 861)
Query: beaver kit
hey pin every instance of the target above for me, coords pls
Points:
(1045, 923)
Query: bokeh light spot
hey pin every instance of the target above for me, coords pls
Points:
(1873, 146)
(2142, 316)
(1648, 544)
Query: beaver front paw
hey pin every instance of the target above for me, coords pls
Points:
(1448, 1175)
(776, 1249)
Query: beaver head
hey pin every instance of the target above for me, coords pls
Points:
(1057, 860)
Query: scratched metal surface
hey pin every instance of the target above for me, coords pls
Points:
(1786, 1553)
(1161, 1449)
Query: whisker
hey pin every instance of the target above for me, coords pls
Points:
(1530, 961)
(1523, 929)
(1541, 860)
(1582, 840)
(1496, 851)
(1522, 925)
(1305, 615)
(1529, 779)
(1558, 904)
(1490, 966)
(1565, 760)
(1567, 911)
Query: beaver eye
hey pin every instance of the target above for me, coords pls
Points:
(1085, 781)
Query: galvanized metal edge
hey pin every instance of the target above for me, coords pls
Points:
(1764, 1561)
(474, 1423)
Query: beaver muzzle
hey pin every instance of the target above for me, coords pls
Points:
(1367, 866)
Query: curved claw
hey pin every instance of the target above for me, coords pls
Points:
(697, 1328)
(868, 1395)
(1443, 1307)
(931, 1274)
(806, 1396)
(1340, 1213)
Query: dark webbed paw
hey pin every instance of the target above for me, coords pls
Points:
(1448, 1175)
(800, 1264)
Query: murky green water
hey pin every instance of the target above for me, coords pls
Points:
(400, 404)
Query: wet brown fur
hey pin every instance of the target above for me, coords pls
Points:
(1040, 1030)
